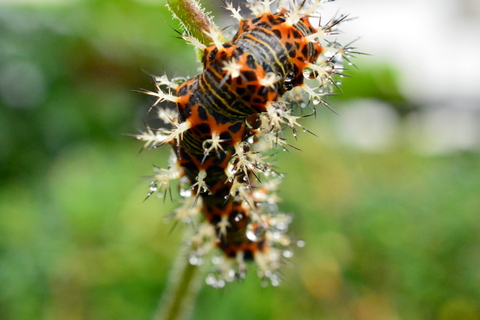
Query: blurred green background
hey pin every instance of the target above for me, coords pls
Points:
(391, 232)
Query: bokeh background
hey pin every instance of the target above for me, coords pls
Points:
(387, 197)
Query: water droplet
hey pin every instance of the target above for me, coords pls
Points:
(195, 260)
(300, 243)
(153, 187)
(255, 233)
(230, 275)
(210, 280)
(275, 282)
(217, 260)
(282, 226)
(186, 193)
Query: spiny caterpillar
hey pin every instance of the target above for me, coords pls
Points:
(228, 116)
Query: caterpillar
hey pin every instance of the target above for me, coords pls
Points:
(228, 117)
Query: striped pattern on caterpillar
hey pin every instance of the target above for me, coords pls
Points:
(225, 120)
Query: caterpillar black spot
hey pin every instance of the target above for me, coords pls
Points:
(228, 115)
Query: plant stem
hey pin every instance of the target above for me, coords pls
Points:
(182, 289)
(193, 18)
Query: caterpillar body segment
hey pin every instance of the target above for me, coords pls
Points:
(227, 117)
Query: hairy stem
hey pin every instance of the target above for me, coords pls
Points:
(195, 21)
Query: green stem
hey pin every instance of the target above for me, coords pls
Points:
(194, 20)
(184, 284)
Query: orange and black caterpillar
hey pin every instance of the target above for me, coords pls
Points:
(227, 116)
